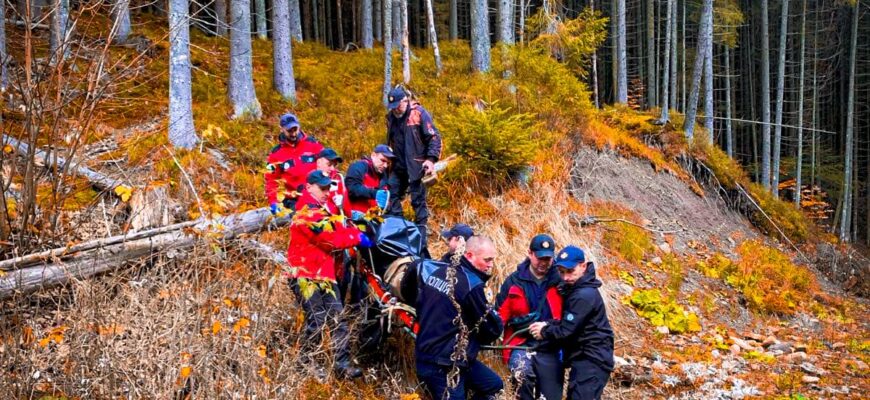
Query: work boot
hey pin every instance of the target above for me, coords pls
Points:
(347, 371)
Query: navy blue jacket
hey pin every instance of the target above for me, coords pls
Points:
(356, 177)
(414, 139)
(437, 336)
(584, 332)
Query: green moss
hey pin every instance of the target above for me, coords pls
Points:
(650, 305)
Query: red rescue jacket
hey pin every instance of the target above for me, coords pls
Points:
(514, 300)
(290, 163)
(363, 182)
(338, 189)
(315, 234)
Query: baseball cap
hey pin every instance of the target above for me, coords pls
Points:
(318, 178)
(543, 246)
(458, 230)
(385, 150)
(570, 257)
(329, 154)
(394, 98)
(289, 121)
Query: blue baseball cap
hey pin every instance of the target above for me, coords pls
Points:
(543, 246)
(289, 121)
(318, 178)
(570, 257)
(395, 97)
(330, 154)
(385, 150)
(458, 230)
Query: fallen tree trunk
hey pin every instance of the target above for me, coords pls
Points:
(109, 257)
(97, 179)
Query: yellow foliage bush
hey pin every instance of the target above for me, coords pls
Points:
(650, 305)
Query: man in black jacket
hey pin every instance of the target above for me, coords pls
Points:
(449, 367)
(452, 236)
(412, 135)
(584, 331)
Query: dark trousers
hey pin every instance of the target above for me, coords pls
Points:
(586, 380)
(322, 309)
(477, 378)
(538, 374)
(401, 184)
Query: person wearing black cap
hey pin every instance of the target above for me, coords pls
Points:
(327, 160)
(290, 161)
(531, 294)
(417, 144)
(452, 236)
(367, 180)
(314, 239)
(584, 331)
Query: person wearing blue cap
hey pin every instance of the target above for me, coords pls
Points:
(412, 135)
(289, 163)
(531, 294)
(315, 239)
(452, 236)
(327, 161)
(367, 180)
(583, 333)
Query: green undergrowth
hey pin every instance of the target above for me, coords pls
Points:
(663, 311)
(766, 278)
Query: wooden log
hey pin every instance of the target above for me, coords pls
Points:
(114, 256)
(97, 179)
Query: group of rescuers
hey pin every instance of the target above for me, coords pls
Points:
(549, 311)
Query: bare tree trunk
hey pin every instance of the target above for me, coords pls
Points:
(220, 9)
(621, 60)
(260, 9)
(368, 39)
(60, 34)
(433, 38)
(800, 131)
(241, 82)
(673, 67)
(4, 79)
(845, 219)
(780, 93)
(480, 56)
(709, 112)
(121, 13)
(377, 13)
(815, 107)
(295, 20)
(651, 89)
(704, 34)
(181, 131)
(729, 135)
(595, 95)
(406, 46)
(315, 20)
(765, 98)
(685, 87)
(506, 21)
(388, 49)
(666, 74)
(454, 20)
(282, 52)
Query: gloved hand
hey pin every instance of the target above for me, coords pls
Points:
(273, 208)
(364, 241)
(338, 199)
(381, 197)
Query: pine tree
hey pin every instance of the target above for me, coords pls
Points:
(433, 37)
(765, 98)
(621, 60)
(845, 219)
(780, 91)
(480, 57)
(505, 21)
(367, 32)
(295, 20)
(666, 73)
(388, 49)
(705, 33)
(800, 130)
(709, 112)
(260, 11)
(121, 28)
(241, 82)
(406, 45)
(181, 131)
(220, 10)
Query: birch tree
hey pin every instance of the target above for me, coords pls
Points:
(181, 131)
(780, 92)
(480, 56)
(241, 82)
(705, 33)
(282, 52)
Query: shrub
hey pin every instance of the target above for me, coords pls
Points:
(495, 144)
(660, 312)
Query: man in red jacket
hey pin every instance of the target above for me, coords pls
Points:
(367, 179)
(316, 233)
(289, 162)
(531, 294)
(327, 162)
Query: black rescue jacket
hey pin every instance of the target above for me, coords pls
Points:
(414, 139)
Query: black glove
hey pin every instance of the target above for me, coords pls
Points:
(523, 322)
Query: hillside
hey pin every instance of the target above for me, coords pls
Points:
(715, 289)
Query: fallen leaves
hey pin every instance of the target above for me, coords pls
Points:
(54, 335)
